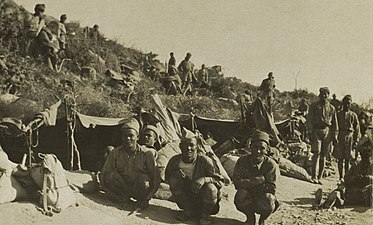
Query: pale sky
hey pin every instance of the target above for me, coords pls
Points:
(329, 41)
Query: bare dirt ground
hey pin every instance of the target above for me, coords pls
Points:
(296, 199)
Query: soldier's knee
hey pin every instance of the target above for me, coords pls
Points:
(266, 204)
(241, 198)
(210, 191)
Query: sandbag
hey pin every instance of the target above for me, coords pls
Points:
(83, 180)
(10, 188)
(229, 161)
(290, 169)
(51, 179)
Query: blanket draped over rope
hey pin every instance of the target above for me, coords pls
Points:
(264, 121)
(89, 121)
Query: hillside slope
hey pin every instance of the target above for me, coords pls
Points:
(35, 82)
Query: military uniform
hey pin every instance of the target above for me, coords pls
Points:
(323, 126)
(206, 200)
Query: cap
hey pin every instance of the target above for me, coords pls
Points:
(324, 90)
(39, 8)
(346, 98)
(152, 128)
(187, 134)
(260, 136)
(131, 123)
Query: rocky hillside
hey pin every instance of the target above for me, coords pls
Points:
(87, 71)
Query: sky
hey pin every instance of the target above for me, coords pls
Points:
(326, 43)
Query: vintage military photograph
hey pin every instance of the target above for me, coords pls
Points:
(186, 112)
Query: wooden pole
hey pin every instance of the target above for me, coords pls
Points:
(29, 143)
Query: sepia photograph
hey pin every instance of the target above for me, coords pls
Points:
(186, 112)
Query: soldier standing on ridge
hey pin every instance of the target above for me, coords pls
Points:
(171, 61)
(348, 136)
(95, 32)
(323, 131)
(335, 102)
(34, 24)
(203, 76)
(186, 68)
(267, 87)
(61, 32)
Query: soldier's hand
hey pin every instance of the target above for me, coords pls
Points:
(197, 185)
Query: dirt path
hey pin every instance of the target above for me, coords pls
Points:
(295, 196)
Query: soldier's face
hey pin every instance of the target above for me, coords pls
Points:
(347, 104)
(149, 138)
(324, 95)
(258, 150)
(129, 139)
(189, 150)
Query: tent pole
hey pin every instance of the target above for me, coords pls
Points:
(29, 140)
(68, 132)
(73, 144)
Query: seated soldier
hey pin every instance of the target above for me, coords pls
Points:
(149, 136)
(194, 182)
(255, 178)
(130, 170)
(359, 179)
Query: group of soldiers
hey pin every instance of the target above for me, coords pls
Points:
(49, 40)
(187, 77)
(334, 129)
(41, 41)
(130, 171)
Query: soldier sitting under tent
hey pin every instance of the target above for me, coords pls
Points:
(130, 170)
(255, 178)
(149, 137)
(193, 180)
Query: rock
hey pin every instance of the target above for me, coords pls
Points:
(88, 72)
(8, 98)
